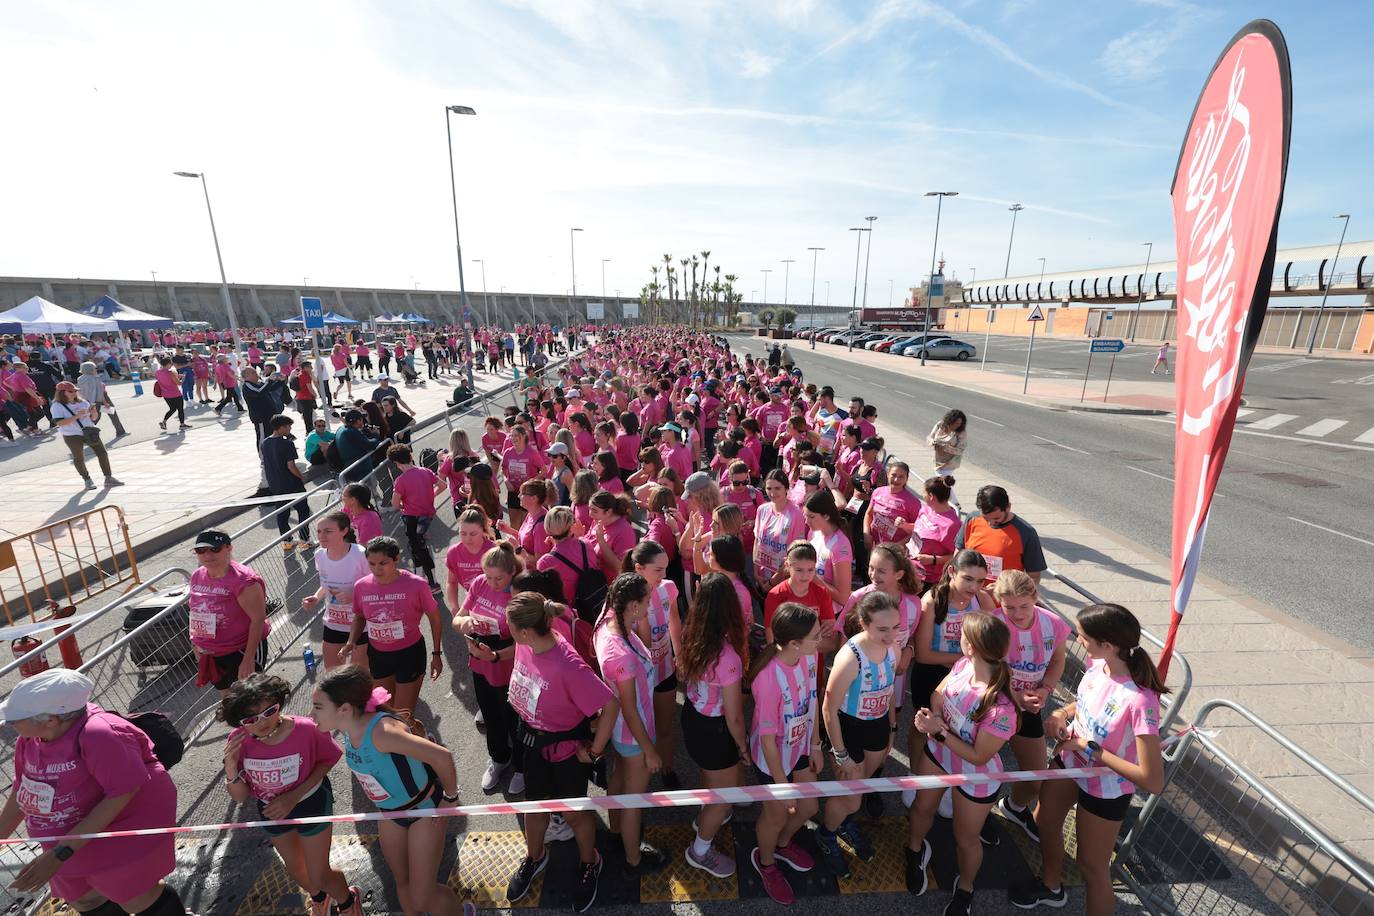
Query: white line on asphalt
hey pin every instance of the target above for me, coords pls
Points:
(1322, 427)
(1366, 437)
(854, 377)
(1330, 530)
(1274, 419)
(995, 423)
(884, 387)
(1150, 473)
(1060, 445)
(1244, 429)
(1244, 411)
(938, 404)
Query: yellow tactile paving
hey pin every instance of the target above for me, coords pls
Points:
(276, 893)
(680, 882)
(887, 871)
(485, 863)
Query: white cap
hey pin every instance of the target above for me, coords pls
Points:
(49, 693)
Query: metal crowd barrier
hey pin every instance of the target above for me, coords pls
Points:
(71, 560)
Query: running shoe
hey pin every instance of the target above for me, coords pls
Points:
(492, 776)
(1025, 818)
(1029, 896)
(355, 908)
(774, 882)
(651, 859)
(713, 863)
(559, 830)
(288, 546)
(831, 856)
(519, 884)
(90, 484)
(961, 904)
(796, 857)
(113, 482)
(478, 720)
(990, 835)
(517, 784)
(916, 878)
(852, 835)
(589, 876)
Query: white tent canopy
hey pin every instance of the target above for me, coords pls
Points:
(39, 316)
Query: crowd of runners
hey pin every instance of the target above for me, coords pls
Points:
(673, 553)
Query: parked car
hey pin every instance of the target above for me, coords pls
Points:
(878, 341)
(945, 348)
(895, 346)
(913, 344)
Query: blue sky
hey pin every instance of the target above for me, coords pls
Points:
(754, 130)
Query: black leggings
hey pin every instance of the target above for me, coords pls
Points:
(417, 526)
(175, 406)
(231, 394)
(502, 744)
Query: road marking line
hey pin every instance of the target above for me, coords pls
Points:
(1061, 445)
(1244, 411)
(1274, 419)
(938, 404)
(884, 387)
(1150, 473)
(995, 423)
(854, 377)
(1330, 530)
(1366, 437)
(1322, 427)
(1243, 429)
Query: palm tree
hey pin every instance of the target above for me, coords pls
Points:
(653, 285)
(715, 292)
(705, 259)
(672, 294)
(685, 292)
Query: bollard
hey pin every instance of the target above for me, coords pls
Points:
(138, 382)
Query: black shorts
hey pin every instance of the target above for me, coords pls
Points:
(708, 739)
(1109, 809)
(1031, 725)
(562, 779)
(319, 803)
(229, 665)
(668, 684)
(764, 779)
(339, 637)
(864, 736)
(406, 665)
(513, 498)
(986, 800)
(363, 362)
(924, 679)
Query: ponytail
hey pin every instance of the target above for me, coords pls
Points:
(606, 501)
(627, 587)
(1113, 624)
(991, 640)
(964, 559)
(642, 554)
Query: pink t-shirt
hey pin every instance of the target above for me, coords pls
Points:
(707, 694)
(456, 480)
(934, 534)
(771, 417)
(586, 445)
(519, 467)
(218, 624)
(1113, 712)
(338, 360)
(748, 499)
(554, 691)
(493, 442)
(57, 783)
(962, 695)
(773, 531)
(785, 707)
(620, 537)
(624, 658)
(627, 451)
(393, 611)
(679, 458)
(908, 613)
(831, 553)
(466, 566)
(225, 375)
(570, 549)
(367, 525)
(662, 600)
(415, 488)
(1032, 648)
(487, 608)
(613, 485)
(661, 534)
(272, 769)
(886, 509)
(533, 538)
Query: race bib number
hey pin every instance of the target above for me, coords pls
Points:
(956, 721)
(339, 615)
(874, 704)
(799, 730)
(994, 565)
(275, 775)
(952, 629)
(385, 631)
(34, 797)
(855, 503)
(371, 787)
(524, 696)
(484, 626)
(203, 624)
(661, 645)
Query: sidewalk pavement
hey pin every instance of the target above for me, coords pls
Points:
(1317, 690)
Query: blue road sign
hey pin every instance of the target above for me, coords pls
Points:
(1107, 345)
(312, 313)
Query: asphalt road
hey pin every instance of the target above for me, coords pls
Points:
(1290, 527)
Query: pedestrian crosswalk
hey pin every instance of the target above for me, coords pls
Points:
(1315, 428)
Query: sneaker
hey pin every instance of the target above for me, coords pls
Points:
(713, 863)
(517, 784)
(492, 775)
(1025, 818)
(355, 908)
(851, 834)
(774, 882)
(559, 830)
(834, 860)
(946, 809)
(288, 546)
(916, 878)
(589, 875)
(113, 482)
(478, 720)
(796, 857)
(1034, 894)
(960, 904)
(651, 859)
(90, 484)
(162, 426)
(990, 835)
(186, 426)
(519, 884)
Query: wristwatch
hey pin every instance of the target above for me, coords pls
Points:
(62, 853)
(1094, 750)
(939, 737)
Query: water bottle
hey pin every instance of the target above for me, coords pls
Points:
(308, 656)
(138, 383)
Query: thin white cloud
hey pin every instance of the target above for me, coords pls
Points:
(756, 65)
(1135, 56)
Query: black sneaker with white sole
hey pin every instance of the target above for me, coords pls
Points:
(1030, 896)
(961, 904)
(1025, 818)
(989, 834)
(588, 878)
(916, 878)
(519, 884)
(651, 859)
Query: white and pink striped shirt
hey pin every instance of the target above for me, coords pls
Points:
(624, 658)
(785, 712)
(1032, 648)
(773, 531)
(707, 694)
(962, 695)
(1113, 712)
(661, 601)
(908, 613)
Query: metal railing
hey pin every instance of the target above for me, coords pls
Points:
(71, 560)
(1219, 839)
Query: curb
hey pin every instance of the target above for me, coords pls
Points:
(1126, 411)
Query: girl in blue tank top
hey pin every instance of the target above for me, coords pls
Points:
(397, 770)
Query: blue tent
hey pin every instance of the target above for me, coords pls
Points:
(127, 317)
(11, 327)
(418, 319)
(336, 318)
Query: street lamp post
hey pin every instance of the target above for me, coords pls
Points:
(786, 277)
(815, 254)
(457, 238)
(889, 292)
(223, 281)
(934, 246)
(766, 271)
(854, 299)
(486, 303)
(604, 262)
(1326, 287)
(1150, 246)
(868, 256)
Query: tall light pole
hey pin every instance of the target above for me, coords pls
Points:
(1150, 246)
(572, 248)
(934, 246)
(815, 254)
(868, 257)
(889, 292)
(223, 281)
(486, 303)
(450, 110)
(1312, 340)
(854, 299)
(1015, 209)
(766, 271)
(604, 262)
(786, 275)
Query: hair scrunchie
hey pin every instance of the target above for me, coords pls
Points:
(379, 696)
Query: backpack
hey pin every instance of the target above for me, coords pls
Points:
(589, 597)
(581, 641)
(429, 458)
(168, 745)
(294, 382)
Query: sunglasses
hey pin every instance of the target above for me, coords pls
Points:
(267, 713)
(200, 550)
(740, 482)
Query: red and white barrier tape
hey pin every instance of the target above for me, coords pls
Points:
(683, 798)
